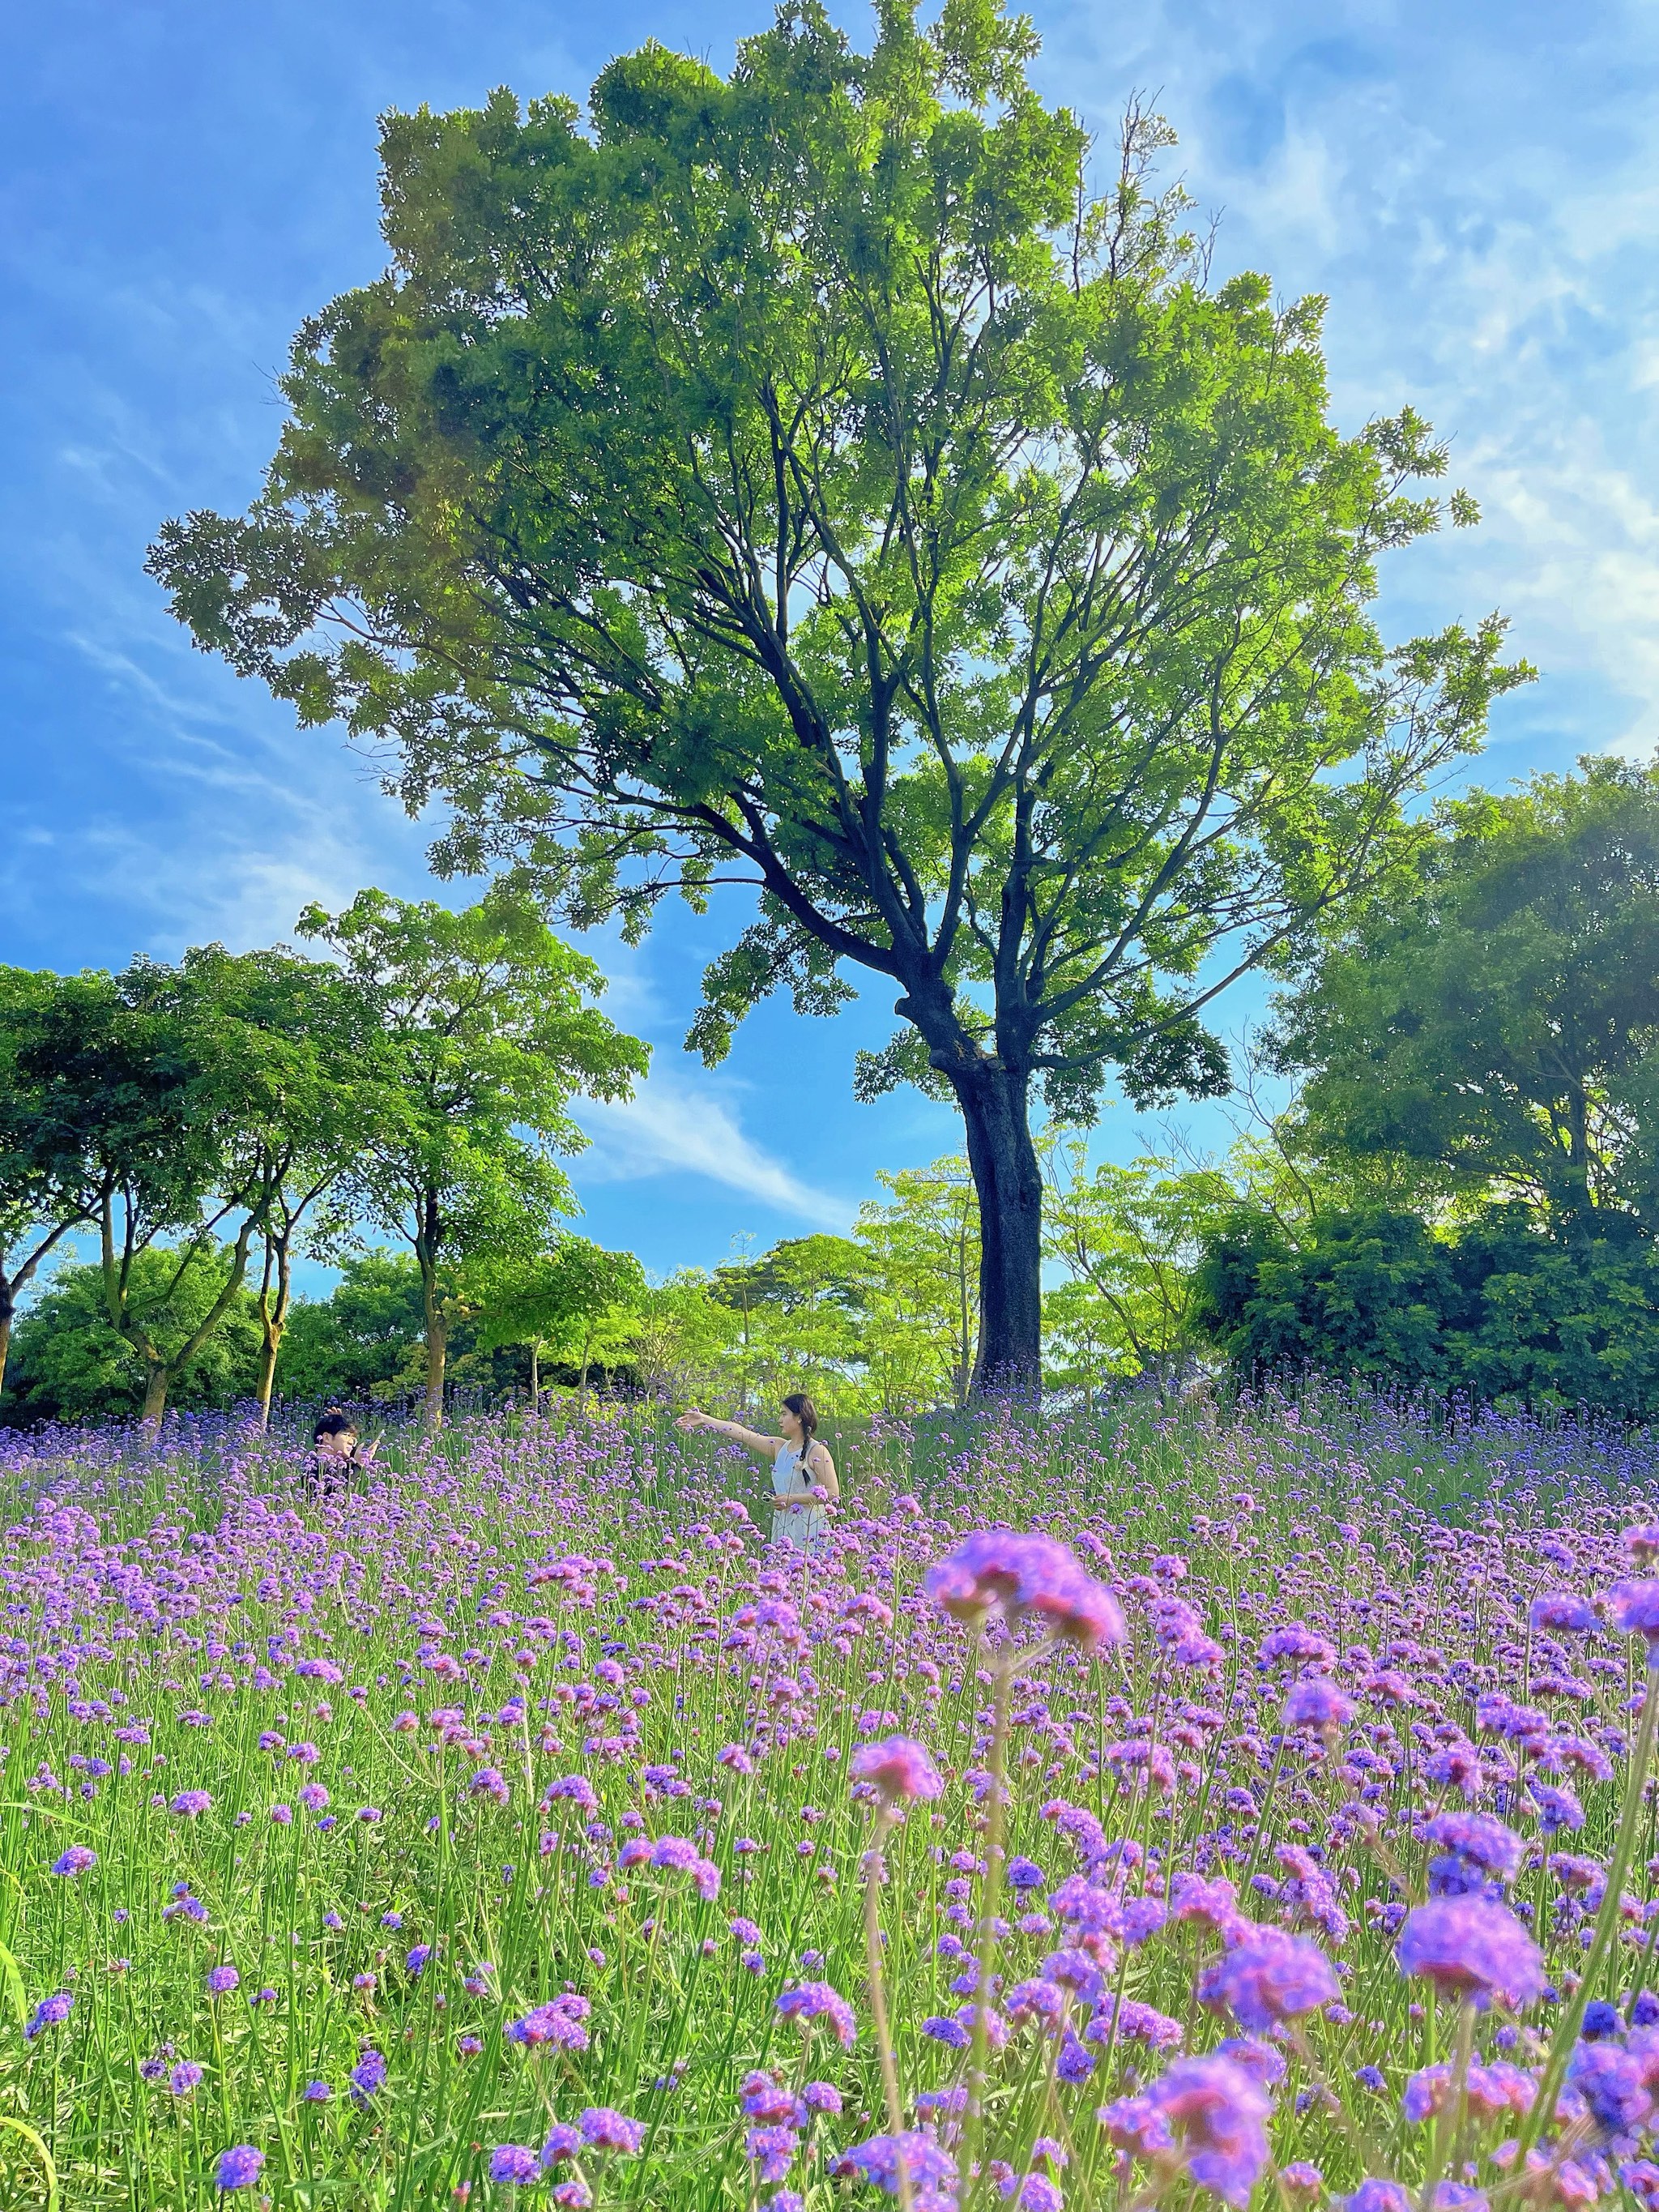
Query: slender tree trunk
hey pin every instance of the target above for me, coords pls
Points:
(1008, 1180)
(268, 1350)
(437, 1351)
(12, 1282)
(1582, 1217)
(273, 1321)
(535, 1375)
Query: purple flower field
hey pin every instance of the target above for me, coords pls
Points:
(1148, 1812)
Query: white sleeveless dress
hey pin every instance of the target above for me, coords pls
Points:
(799, 1524)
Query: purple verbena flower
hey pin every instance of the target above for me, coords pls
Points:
(1562, 1613)
(897, 1767)
(1026, 1576)
(564, 2142)
(606, 2130)
(1473, 1947)
(239, 2167)
(367, 2076)
(927, 2163)
(809, 2002)
(1633, 1608)
(51, 2012)
(1267, 1978)
(1317, 1703)
(1216, 2114)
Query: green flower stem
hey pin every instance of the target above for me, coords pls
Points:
(974, 2120)
(873, 1867)
(1607, 1923)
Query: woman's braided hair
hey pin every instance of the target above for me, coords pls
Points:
(800, 1406)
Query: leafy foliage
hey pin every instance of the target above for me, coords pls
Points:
(1501, 1022)
(364, 1341)
(1500, 1309)
(575, 1304)
(1129, 1237)
(69, 1364)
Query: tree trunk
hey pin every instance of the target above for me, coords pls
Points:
(155, 1396)
(5, 1334)
(1009, 1182)
(1581, 1203)
(273, 1321)
(535, 1375)
(268, 1350)
(437, 1350)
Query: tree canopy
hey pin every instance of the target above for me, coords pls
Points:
(137, 1098)
(1499, 1018)
(487, 1027)
(810, 479)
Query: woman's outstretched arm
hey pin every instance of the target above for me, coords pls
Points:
(692, 1419)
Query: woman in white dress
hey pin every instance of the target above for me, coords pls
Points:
(801, 1467)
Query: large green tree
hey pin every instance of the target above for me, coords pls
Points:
(487, 1027)
(809, 479)
(1500, 1020)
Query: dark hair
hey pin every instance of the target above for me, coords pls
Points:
(800, 1406)
(334, 1423)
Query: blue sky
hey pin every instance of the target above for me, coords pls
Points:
(1472, 187)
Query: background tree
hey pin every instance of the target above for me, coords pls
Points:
(1129, 1238)
(487, 1029)
(681, 1337)
(921, 1285)
(309, 1040)
(802, 1320)
(146, 1078)
(1499, 1019)
(45, 1191)
(808, 479)
(576, 1302)
(72, 1364)
(364, 1341)
(1496, 1309)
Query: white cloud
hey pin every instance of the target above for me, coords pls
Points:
(670, 1127)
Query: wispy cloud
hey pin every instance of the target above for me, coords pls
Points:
(670, 1127)
(1472, 188)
